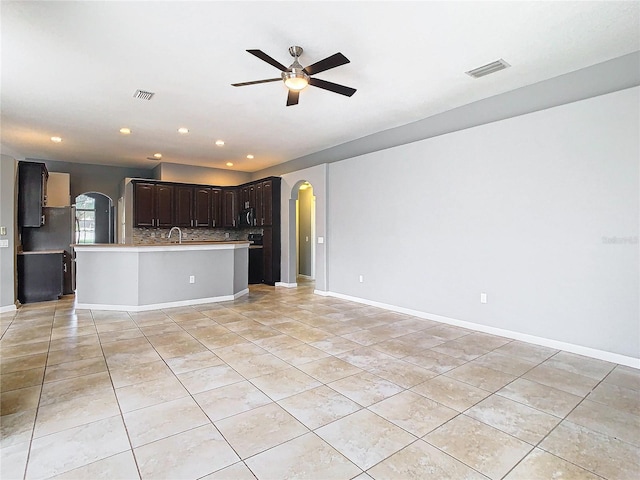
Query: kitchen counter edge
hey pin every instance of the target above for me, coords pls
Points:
(159, 247)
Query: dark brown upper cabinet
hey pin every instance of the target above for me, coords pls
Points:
(216, 207)
(268, 193)
(230, 207)
(202, 206)
(184, 206)
(32, 193)
(153, 204)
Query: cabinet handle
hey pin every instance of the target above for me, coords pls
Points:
(64, 267)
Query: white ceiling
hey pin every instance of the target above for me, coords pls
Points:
(70, 69)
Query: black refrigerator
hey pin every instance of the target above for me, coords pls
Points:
(57, 233)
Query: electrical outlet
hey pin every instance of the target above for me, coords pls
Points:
(226, 234)
(4, 243)
(361, 278)
(3, 230)
(483, 298)
(192, 279)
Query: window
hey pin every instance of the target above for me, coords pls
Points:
(86, 219)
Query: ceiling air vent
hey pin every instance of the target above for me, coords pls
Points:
(488, 69)
(143, 95)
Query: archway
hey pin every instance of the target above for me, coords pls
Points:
(94, 218)
(291, 182)
(301, 234)
(305, 227)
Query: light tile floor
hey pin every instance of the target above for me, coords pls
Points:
(284, 384)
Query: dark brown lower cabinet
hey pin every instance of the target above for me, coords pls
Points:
(271, 256)
(40, 276)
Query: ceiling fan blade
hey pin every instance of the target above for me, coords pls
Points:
(263, 56)
(292, 98)
(255, 82)
(333, 61)
(332, 87)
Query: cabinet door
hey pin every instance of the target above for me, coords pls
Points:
(40, 277)
(267, 202)
(259, 204)
(244, 197)
(202, 207)
(267, 256)
(32, 185)
(184, 206)
(216, 207)
(144, 205)
(252, 196)
(229, 207)
(164, 205)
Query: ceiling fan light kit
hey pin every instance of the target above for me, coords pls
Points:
(295, 80)
(296, 77)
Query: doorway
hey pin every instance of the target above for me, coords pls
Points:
(94, 218)
(306, 231)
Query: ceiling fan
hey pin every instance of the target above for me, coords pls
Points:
(296, 77)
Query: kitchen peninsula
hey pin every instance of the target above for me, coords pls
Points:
(149, 277)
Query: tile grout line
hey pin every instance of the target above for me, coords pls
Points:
(35, 420)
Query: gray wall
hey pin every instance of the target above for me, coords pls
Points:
(172, 172)
(539, 211)
(7, 219)
(85, 177)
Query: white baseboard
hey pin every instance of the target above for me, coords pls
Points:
(159, 306)
(8, 308)
(286, 285)
(545, 342)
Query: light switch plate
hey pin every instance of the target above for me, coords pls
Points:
(4, 243)
(320, 239)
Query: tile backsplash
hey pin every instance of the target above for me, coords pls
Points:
(150, 236)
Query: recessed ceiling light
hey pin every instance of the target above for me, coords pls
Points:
(56, 139)
(229, 164)
(157, 155)
(183, 130)
(250, 157)
(125, 131)
(220, 143)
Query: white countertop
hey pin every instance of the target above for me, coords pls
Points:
(161, 247)
(42, 252)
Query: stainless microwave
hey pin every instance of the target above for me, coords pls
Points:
(247, 218)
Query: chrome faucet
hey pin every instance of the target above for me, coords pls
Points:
(179, 234)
